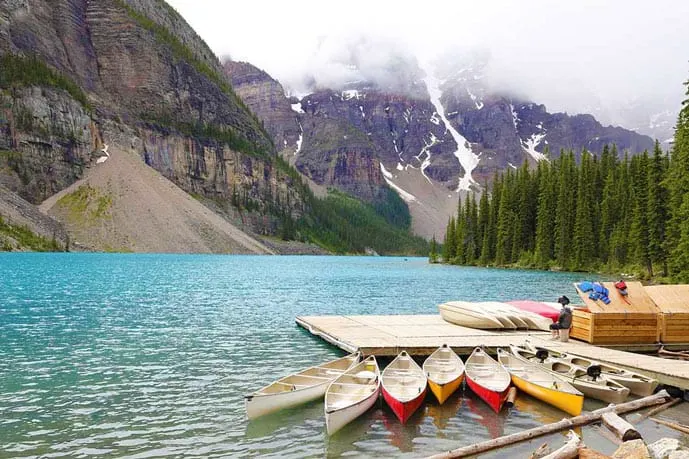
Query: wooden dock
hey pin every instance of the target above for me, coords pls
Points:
(422, 334)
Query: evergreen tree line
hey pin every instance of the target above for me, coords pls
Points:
(603, 213)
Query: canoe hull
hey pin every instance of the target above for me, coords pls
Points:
(571, 404)
(336, 420)
(442, 391)
(459, 315)
(403, 410)
(494, 399)
(260, 405)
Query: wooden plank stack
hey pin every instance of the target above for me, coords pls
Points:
(672, 303)
(626, 319)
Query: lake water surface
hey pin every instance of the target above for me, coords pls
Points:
(149, 355)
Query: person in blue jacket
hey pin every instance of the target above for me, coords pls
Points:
(564, 320)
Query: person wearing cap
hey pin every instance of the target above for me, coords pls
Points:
(564, 320)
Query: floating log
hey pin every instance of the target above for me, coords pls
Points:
(570, 450)
(657, 409)
(624, 430)
(511, 397)
(584, 419)
(605, 433)
(673, 425)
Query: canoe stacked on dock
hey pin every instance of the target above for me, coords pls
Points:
(404, 386)
(589, 383)
(543, 385)
(491, 315)
(487, 378)
(352, 394)
(297, 388)
(637, 383)
(470, 315)
(445, 372)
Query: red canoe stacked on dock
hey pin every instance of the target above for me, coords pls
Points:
(404, 386)
(487, 378)
(539, 308)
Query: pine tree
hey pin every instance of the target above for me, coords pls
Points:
(656, 209)
(565, 209)
(450, 244)
(677, 241)
(433, 252)
(639, 225)
(583, 224)
(545, 216)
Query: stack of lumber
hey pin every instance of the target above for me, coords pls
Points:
(672, 303)
(630, 319)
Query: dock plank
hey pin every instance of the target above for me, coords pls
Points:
(387, 335)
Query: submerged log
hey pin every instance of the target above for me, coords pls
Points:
(570, 450)
(511, 397)
(657, 409)
(673, 425)
(624, 430)
(584, 419)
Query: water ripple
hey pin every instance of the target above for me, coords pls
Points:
(148, 356)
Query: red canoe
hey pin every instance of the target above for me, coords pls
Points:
(404, 386)
(487, 378)
(539, 308)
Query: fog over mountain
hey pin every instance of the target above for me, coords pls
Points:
(623, 61)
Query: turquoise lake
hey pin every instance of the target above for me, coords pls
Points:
(150, 355)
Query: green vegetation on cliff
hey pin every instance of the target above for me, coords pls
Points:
(17, 237)
(344, 224)
(86, 205)
(20, 71)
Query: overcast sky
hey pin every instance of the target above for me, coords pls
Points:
(560, 53)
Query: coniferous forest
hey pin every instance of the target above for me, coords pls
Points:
(609, 212)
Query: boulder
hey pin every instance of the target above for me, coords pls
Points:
(634, 449)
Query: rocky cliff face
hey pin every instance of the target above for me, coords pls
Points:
(265, 97)
(151, 85)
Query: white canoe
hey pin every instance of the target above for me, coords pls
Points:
(469, 315)
(297, 388)
(533, 321)
(601, 388)
(352, 394)
(498, 309)
(637, 383)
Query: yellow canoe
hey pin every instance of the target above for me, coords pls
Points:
(542, 385)
(445, 372)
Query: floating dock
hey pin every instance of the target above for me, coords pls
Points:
(422, 334)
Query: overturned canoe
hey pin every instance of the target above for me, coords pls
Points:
(470, 315)
(403, 386)
(297, 388)
(445, 372)
(487, 378)
(541, 384)
(352, 394)
(594, 386)
(637, 383)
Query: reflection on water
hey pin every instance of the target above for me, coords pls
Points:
(151, 355)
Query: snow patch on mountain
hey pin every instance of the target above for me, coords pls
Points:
(297, 107)
(351, 94)
(407, 197)
(515, 118)
(530, 145)
(467, 159)
(477, 101)
(426, 150)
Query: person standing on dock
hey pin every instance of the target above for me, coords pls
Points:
(564, 320)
